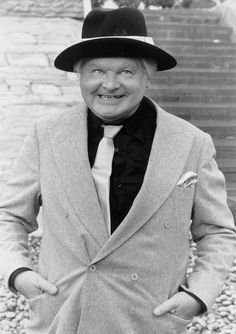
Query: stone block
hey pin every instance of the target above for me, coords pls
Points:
(2, 129)
(25, 114)
(20, 100)
(3, 88)
(3, 60)
(27, 59)
(5, 164)
(72, 90)
(64, 99)
(49, 8)
(72, 76)
(32, 73)
(2, 183)
(45, 89)
(23, 82)
(17, 38)
(19, 90)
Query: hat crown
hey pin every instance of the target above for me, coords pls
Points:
(119, 22)
(111, 33)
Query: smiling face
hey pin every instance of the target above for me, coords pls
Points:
(113, 87)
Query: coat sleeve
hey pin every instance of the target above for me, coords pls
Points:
(19, 207)
(212, 229)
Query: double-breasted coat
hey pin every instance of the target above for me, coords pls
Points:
(112, 284)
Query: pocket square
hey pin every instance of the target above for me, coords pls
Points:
(187, 179)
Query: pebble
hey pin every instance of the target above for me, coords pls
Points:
(11, 304)
(222, 320)
(2, 292)
(3, 307)
(10, 315)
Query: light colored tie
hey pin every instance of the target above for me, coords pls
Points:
(102, 168)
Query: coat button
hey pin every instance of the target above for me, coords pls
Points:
(167, 224)
(93, 268)
(134, 277)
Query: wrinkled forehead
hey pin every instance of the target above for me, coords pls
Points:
(112, 61)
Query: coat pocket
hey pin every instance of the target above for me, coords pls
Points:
(179, 325)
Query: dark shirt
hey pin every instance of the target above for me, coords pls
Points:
(132, 149)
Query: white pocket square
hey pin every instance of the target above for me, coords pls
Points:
(187, 179)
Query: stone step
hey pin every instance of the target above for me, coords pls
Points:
(232, 187)
(191, 77)
(182, 16)
(167, 30)
(227, 166)
(184, 61)
(225, 148)
(217, 129)
(196, 94)
(200, 47)
(231, 192)
(206, 62)
(230, 176)
(200, 111)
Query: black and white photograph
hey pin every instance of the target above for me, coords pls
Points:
(117, 166)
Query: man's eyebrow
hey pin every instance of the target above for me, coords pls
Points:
(121, 66)
(94, 64)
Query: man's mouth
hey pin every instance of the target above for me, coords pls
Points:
(110, 97)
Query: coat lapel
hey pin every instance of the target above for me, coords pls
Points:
(168, 156)
(69, 144)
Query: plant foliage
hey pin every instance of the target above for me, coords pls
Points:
(147, 3)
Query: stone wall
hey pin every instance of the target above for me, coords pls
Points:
(44, 8)
(30, 86)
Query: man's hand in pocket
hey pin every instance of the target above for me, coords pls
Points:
(30, 284)
(181, 304)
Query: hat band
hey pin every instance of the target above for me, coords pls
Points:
(145, 39)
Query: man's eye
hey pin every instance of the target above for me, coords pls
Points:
(97, 71)
(126, 72)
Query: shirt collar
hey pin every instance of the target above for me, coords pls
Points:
(134, 125)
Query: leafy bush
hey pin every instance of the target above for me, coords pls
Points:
(161, 3)
(185, 3)
(127, 3)
(97, 3)
(147, 3)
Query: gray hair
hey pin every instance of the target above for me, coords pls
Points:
(149, 65)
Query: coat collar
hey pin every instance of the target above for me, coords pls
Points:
(69, 144)
(168, 155)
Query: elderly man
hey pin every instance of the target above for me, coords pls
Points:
(121, 183)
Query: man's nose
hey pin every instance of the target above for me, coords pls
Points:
(111, 82)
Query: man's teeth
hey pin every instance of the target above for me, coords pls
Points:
(110, 97)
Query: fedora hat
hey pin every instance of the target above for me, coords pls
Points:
(118, 32)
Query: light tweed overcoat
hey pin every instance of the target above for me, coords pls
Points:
(111, 285)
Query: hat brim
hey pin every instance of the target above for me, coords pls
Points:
(113, 47)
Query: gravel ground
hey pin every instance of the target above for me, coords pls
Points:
(222, 319)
